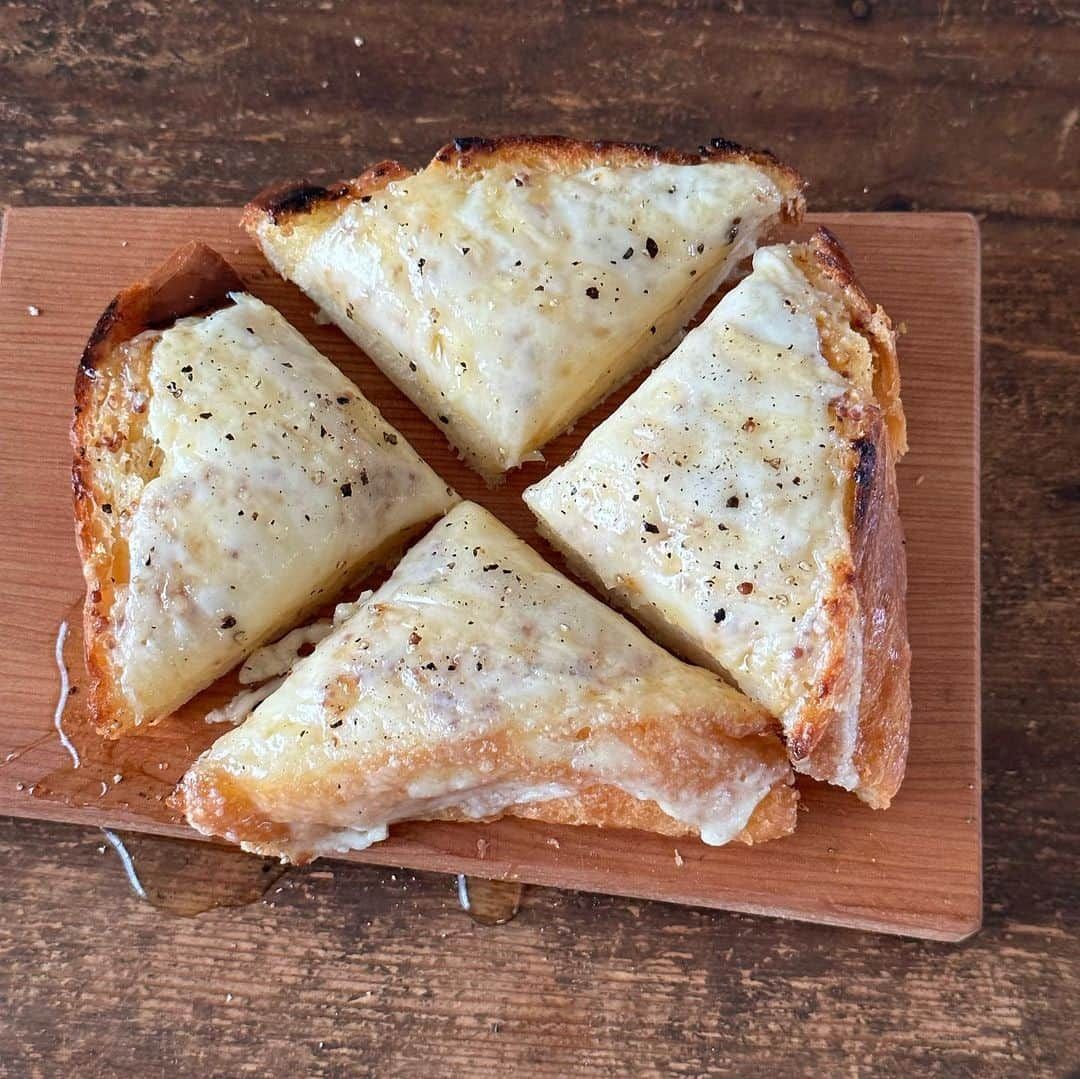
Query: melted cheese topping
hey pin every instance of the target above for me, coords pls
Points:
(478, 678)
(507, 302)
(278, 481)
(713, 500)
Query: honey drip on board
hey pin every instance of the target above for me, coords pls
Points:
(489, 902)
(138, 772)
(188, 878)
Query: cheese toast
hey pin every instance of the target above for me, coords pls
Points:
(513, 283)
(742, 503)
(228, 479)
(478, 681)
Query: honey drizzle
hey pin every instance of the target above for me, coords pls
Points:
(138, 771)
(489, 902)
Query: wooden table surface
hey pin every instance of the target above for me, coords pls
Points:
(345, 969)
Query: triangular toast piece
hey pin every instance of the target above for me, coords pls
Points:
(228, 480)
(514, 283)
(479, 681)
(742, 504)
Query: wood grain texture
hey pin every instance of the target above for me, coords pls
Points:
(913, 869)
(959, 105)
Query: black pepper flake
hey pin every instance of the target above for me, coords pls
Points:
(592, 292)
(365, 198)
(106, 507)
(652, 329)
(420, 264)
(363, 477)
(346, 490)
(479, 666)
(389, 438)
(719, 616)
(343, 400)
(228, 622)
(444, 419)
(491, 566)
(651, 248)
(628, 253)
(337, 723)
(412, 366)
(229, 437)
(205, 415)
(539, 288)
(465, 250)
(174, 389)
(733, 502)
(429, 666)
(700, 248)
(650, 527)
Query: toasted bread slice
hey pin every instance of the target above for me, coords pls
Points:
(743, 504)
(228, 479)
(513, 283)
(478, 681)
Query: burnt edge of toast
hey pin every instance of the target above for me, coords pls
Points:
(284, 201)
(195, 279)
(876, 532)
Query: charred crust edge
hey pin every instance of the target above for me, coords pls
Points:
(281, 202)
(466, 151)
(864, 476)
(285, 200)
(195, 279)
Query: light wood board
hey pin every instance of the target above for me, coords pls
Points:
(915, 869)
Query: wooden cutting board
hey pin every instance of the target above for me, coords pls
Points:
(914, 869)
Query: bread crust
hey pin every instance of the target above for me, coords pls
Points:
(287, 203)
(193, 280)
(216, 801)
(879, 655)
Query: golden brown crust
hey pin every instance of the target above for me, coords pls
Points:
(831, 269)
(217, 802)
(881, 584)
(288, 203)
(218, 805)
(880, 655)
(194, 279)
(609, 807)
